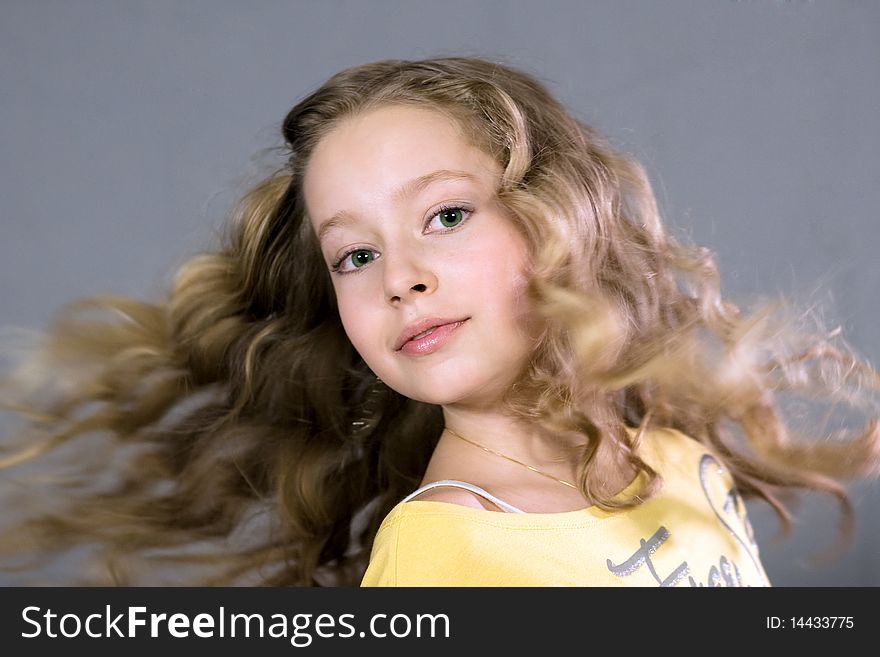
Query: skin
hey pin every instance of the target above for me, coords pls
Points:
(412, 266)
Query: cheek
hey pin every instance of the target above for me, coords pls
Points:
(356, 322)
(513, 300)
(353, 322)
(506, 271)
(363, 326)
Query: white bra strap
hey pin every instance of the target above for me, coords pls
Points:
(463, 484)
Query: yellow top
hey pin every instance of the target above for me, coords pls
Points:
(695, 532)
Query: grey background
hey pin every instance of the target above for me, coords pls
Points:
(129, 128)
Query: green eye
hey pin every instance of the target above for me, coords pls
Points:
(353, 260)
(451, 217)
(361, 257)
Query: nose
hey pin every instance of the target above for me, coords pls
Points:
(406, 277)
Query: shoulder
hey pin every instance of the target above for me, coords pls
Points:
(422, 545)
(667, 447)
(453, 495)
(680, 457)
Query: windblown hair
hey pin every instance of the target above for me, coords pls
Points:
(230, 433)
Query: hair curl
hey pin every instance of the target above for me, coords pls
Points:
(231, 429)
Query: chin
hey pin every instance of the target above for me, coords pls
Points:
(433, 398)
(433, 393)
(455, 381)
(478, 395)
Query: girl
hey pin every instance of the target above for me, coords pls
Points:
(449, 344)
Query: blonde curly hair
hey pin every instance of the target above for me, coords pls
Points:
(238, 438)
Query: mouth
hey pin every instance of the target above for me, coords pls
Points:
(431, 338)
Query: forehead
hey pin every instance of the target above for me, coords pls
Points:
(363, 160)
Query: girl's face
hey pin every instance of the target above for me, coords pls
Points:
(411, 232)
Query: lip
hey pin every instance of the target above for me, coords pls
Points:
(443, 327)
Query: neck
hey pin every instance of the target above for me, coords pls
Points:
(515, 438)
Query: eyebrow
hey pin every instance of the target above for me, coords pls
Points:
(410, 188)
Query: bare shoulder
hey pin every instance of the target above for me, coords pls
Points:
(452, 495)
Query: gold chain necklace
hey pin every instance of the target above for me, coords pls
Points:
(510, 459)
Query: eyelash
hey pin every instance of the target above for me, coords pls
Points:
(335, 267)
